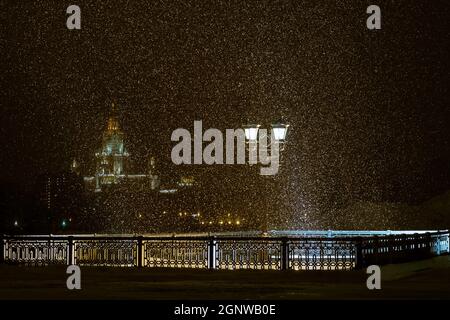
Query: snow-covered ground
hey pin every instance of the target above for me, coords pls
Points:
(426, 279)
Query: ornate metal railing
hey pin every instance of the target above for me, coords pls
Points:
(399, 248)
(35, 251)
(105, 252)
(232, 254)
(175, 253)
(305, 252)
(319, 254)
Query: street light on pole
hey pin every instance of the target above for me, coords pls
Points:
(253, 136)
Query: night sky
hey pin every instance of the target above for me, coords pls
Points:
(369, 110)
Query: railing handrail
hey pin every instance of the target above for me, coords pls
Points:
(217, 237)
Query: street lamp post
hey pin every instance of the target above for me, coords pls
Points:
(253, 135)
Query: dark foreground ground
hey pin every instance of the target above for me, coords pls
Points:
(428, 279)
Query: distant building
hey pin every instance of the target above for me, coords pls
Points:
(153, 175)
(112, 157)
(60, 195)
(112, 168)
(112, 163)
(55, 190)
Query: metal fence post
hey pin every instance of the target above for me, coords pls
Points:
(49, 249)
(416, 243)
(376, 249)
(284, 254)
(359, 264)
(429, 246)
(70, 253)
(447, 243)
(2, 249)
(140, 251)
(391, 252)
(438, 245)
(212, 253)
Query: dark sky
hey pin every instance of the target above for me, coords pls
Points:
(368, 110)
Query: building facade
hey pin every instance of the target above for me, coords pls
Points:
(111, 159)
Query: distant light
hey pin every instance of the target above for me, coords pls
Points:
(168, 191)
(16, 224)
(238, 222)
(64, 223)
(229, 222)
(221, 222)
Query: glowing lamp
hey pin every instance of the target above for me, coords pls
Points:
(251, 132)
(279, 131)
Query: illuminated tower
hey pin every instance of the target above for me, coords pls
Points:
(111, 158)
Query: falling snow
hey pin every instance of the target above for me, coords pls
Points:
(368, 140)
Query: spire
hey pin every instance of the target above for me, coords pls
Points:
(113, 109)
(113, 122)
